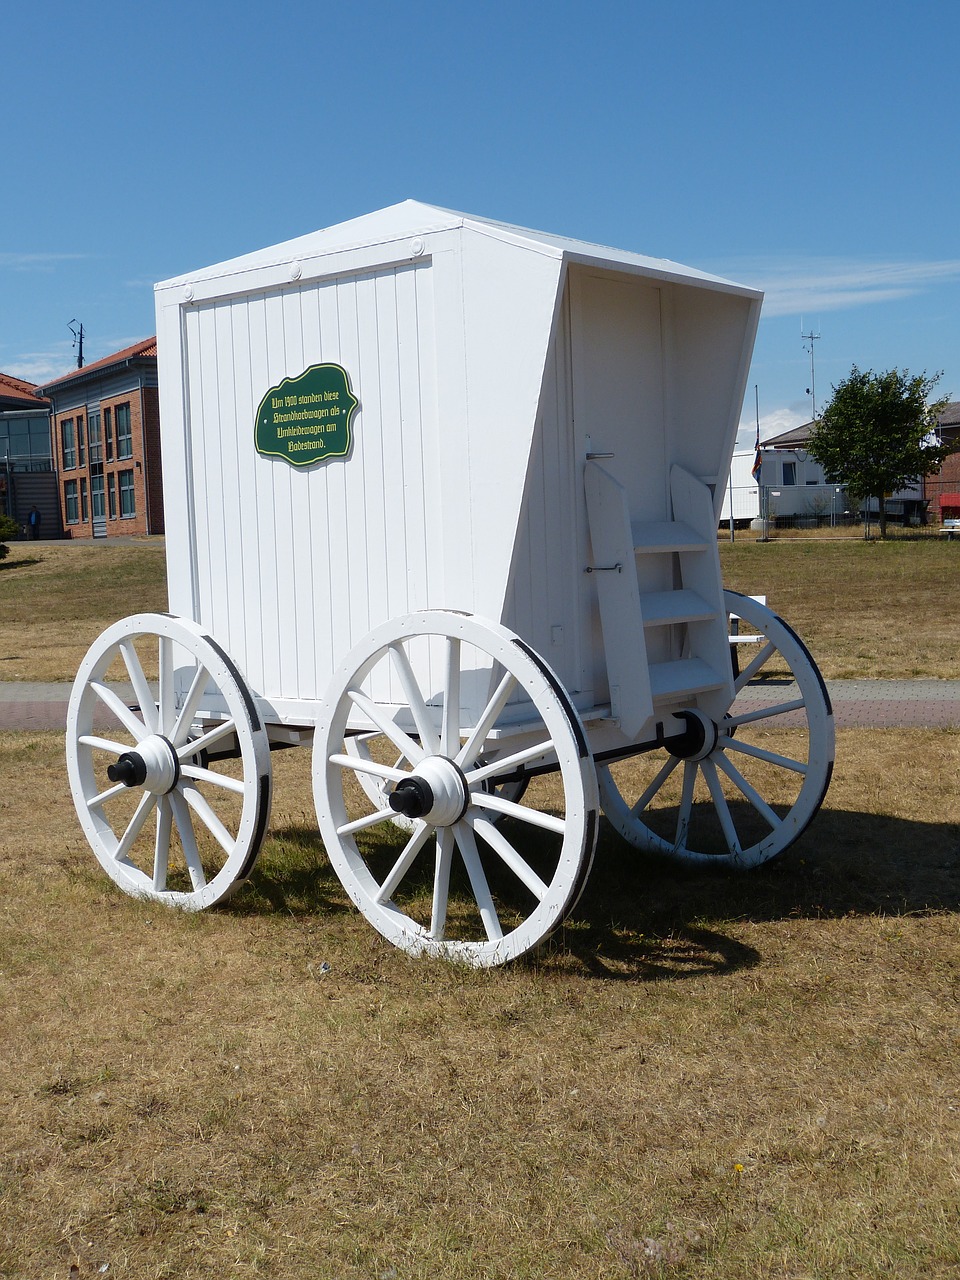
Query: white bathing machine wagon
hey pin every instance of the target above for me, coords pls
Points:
(441, 498)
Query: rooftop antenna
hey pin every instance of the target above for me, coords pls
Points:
(811, 338)
(77, 340)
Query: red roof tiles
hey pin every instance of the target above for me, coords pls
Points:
(140, 350)
(17, 389)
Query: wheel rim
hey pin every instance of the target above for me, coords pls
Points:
(168, 817)
(741, 791)
(466, 707)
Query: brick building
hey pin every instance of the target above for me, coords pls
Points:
(106, 445)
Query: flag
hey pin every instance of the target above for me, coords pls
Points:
(758, 460)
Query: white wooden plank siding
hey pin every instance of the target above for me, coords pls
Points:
(294, 567)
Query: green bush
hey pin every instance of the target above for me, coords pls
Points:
(8, 529)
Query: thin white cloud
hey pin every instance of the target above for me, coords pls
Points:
(40, 366)
(772, 424)
(37, 261)
(813, 285)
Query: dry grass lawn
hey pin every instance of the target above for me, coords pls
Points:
(55, 600)
(872, 610)
(865, 609)
(703, 1076)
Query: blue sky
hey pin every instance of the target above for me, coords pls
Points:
(810, 150)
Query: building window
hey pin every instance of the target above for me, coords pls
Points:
(112, 493)
(128, 506)
(84, 507)
(81, 443)
(70, 501)
(96, 448)
(96, 496)
(789, 473)
(124, 434)
(108, 433)
(68, 442)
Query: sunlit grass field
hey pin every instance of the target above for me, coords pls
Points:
(700, 1076)
(865, 609)
(713, 1076)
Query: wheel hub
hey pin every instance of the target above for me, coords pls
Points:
(436, 791)
(154, 766)
(698, 739)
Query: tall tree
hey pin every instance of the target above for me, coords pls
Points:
(878, 433)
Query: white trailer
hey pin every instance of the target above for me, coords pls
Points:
(442, 498)
(741, 494)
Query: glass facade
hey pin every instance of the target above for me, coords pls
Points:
(25, 441)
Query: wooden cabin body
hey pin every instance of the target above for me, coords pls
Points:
(489, 363)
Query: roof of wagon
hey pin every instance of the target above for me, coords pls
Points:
(412, 218)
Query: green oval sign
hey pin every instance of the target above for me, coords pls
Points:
(307, 419)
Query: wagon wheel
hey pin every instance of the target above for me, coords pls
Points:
(740, 791)
(173, 813)
(459, 708)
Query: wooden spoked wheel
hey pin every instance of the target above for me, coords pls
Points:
(455, 715)
(741, 790)
(174, 811)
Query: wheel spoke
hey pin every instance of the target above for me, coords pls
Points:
(402, 741)
(363, 764)
(663, 773)
(751, 793)
(103, 744)
(771, 757)
(748, 672)
(168, 710)
(686, 803)
(723, 809)
(764, 713)
(135, 825)
(495, 838)
(198, 774)
(188, 840)
(478, 881)
(202, 809)
(161, 848)
(421, 712)
(474, 744)
(206, 740)
(142, 690)
(520, 811)
(98, 801)
(371, 820)
(198, 685)
(450, 733)
(507, 764)
(403, 863)
(114, 703)
(441, 882)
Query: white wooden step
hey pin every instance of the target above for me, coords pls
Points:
(664, 608)
(664, 536)
(686, 676)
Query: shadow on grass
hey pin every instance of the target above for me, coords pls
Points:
(646, 919)
(848, 864)
(19, 564)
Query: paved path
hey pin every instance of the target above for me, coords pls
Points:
(879, 704)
